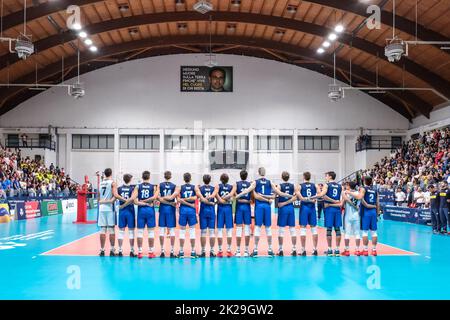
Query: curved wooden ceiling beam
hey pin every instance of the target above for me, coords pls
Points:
(422, 73)
(412, 99)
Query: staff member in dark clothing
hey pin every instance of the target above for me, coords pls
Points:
(320, 203)
(444, 199)
(434, 206)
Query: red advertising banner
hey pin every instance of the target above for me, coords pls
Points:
(32, 209)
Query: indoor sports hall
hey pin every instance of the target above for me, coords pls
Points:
(276, 124)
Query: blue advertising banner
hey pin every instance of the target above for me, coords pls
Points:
(17, 209)
(411, 215)
(387, 198)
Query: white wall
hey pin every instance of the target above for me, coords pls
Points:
(140, 96)
(438, 118)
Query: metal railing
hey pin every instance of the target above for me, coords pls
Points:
(30, 143)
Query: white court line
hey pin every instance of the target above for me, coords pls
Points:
(66, 244)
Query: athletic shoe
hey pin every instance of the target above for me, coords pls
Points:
(140, 255)
(229, 254)
(245, 254)
(102, 253)
(270, 253)
(162, 255)
(194, 255)
(329, 253)
(357, 253)
(304, 253)
(337, 253)
(293, 253)
(220, 254)
(280, 253)
(435, 232)
(120, 254)
(346, 253)
(238, 254)
(254, 254)
(151, 255)
(365, 253)
(112, 253)
(172, 255)
(212, 254)
(314, 253)
(202, 255)
(181, 254)
(132, 254)
(374, 252)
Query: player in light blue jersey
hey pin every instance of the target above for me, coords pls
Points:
(145, 194)
(168, 193)
(370, 206)
(106, 217)
(352, 220)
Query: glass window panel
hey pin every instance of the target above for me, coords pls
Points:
(317, 143)
(76, 141)
(334, 143)
(85, 142)
(155, 142)
(110, 142)
(102, 142)
(123, 142)
(308, 143)
(326, 143)
(94, 142)
(140, 142)
(301, 143)
(287, 143)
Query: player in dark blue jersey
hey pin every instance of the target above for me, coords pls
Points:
(145, 194)
(286, 214)
(308, 214)
(243, 215)
(369, 212)
(167, 212)
(332, 196)
(127, 215)
(264, 193)
(207, 194)
(188, 215)
(224, 196)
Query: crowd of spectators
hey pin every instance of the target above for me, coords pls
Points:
(23, 176)
(413, 168)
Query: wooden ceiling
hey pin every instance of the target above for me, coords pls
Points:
(259, 28)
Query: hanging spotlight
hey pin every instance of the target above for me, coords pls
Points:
(335, 92)
(76, 90)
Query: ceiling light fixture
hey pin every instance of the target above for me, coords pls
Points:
(88, 42)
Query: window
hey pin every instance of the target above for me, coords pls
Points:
(318, 143)
(92, 141)
(139, 142)
(228, 142)
(273, 143)
(183, 142)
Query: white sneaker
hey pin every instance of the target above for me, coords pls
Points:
(245, 254)
(238, 253)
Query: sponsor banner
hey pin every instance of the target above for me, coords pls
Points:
(69, 206)
(17, 209)
(32, 209)
(51, 207)
(4, 213)
(412, 215)
(387, 198)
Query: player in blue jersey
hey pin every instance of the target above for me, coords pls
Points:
(127, 215)
(264, 193)
(369, 212)
(308, 214)
(167, 212)
(145, 194)
(286, 213)
(188, 215)
(332, 196)
(207, 194)
(243, 215)
(224, 196)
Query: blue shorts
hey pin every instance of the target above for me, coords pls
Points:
(308, 216)
(333, 217)
(263, 214)
(167, 216)
(368, 219)
(225, 217)
(207, 217)
(286, 216)
(146, 217)
(243, 214)
(187, 216)
(127, 218)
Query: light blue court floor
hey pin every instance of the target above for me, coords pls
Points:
(27, 274)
